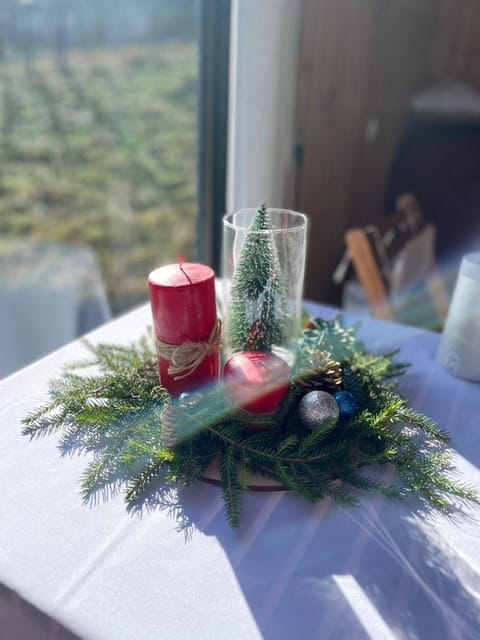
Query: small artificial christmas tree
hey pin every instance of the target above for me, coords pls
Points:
(258, 307)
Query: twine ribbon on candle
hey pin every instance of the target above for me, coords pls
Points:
(186, 357)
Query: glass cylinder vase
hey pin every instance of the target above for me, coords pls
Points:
(263, 265)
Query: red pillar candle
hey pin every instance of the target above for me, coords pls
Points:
(182, 298)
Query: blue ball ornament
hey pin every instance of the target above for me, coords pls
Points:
(318, 409)
(347, 403)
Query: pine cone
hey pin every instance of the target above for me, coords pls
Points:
(325, 376)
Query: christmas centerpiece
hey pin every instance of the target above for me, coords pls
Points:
(311, 413)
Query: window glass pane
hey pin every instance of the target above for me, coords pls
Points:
(98, 136)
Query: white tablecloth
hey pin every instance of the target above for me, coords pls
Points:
(292, 570)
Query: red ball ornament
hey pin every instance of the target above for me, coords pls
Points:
(256, 381)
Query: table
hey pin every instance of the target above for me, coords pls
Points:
(292, 570)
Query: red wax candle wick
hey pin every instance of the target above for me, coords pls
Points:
(180, 264)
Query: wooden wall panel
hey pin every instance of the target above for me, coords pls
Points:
(400, 48)
(360, 64)
(456, 49)
(330, 125)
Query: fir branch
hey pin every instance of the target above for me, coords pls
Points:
(314, 439)
(330, 335)
(233, 439)
(420, 421)
(100, 473)
(138, 485)
(340, 495)
(364, 483)
(41, 421)
(243, 474)
(231, 487)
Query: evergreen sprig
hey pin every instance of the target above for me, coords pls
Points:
(113, 410)
(112, 406)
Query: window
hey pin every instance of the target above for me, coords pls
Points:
(99, 117)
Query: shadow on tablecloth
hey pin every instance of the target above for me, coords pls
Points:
(384, 570)
(20, 620)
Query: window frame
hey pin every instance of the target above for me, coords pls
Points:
(214, 61)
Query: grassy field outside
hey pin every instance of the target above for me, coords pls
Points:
(101, 151)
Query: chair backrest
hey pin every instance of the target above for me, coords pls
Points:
(394, 255)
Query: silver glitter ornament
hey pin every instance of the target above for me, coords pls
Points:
(318, 409)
